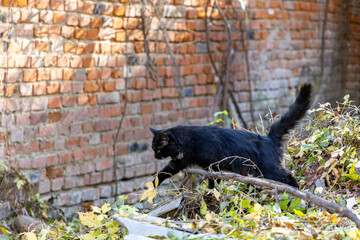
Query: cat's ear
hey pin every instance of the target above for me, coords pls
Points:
(164, 138)
(154, 131)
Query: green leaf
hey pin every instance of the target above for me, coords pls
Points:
(284, 201)
(203, 208)
(307, 146)
(324, 144)
(295, 204)
(284, 204)
(352, 173)
(245, 203)
(19, 183)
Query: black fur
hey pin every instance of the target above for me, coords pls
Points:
(236, 151)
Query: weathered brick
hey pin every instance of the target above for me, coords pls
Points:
(59, 17)
(42, 46)
(54, 117)
(68, 101)
(93, 74)
(53, 88)
(88, 62)
(95, 178)
(91, 86)
(54, 31)
(43, 74)
(44, 186)
(120, 36)
(67, 31)
(30, 75)
(68, 74)
(36, 118)
(92, 34)
(14, 3)
(79, 33)
(95, 22)
(39, 89)
(57, 184)
(84, 21)
(54, 102)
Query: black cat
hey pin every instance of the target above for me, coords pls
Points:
(231, 150)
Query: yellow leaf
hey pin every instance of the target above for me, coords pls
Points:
(251, 215)
(299, 213)
(89, 219)
(150, 185)
(203, 208)
(151, 197)
(30, 236)
(156, 181)
(4, 231)
(122, 213)
(112, 230)
(280, 230)
(88, 236)
(105, 208)
(145, 195)
(96, 209)
(100, 217)
(43, 237)
(150, 194)
(217, 194)
(257, 207)
(353, 233)
(334, 218)
(44, 214)
(208, 217)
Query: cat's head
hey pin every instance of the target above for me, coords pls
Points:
(163, 144)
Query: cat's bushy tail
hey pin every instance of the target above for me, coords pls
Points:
(295, 113)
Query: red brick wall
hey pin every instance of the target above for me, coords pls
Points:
(352, 69)
(63, 73)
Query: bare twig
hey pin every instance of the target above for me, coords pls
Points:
(177, 78)
(322, 50)
(125, 102)
(227, 55)
(145, 27)
(281, 187)
(277, 196)
(247, 62)
(208, 44)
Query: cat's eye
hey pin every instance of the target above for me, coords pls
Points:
(158, 151)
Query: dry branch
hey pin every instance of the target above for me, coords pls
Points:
(220, 75)
(281, 187)
(242, 24)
